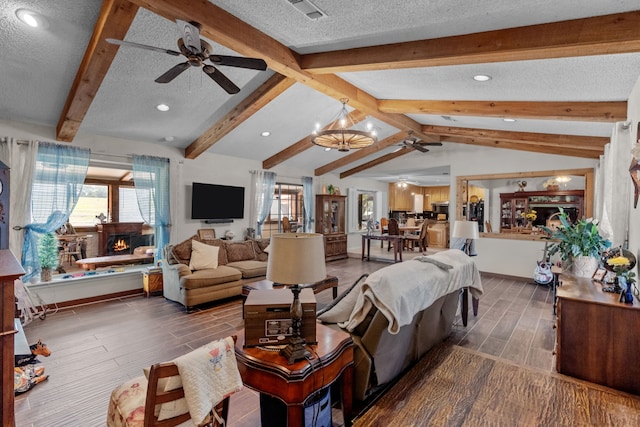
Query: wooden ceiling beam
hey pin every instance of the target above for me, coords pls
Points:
(577, 111)
(380, 160)
(534, 148)
(266, 93)
(362, 153)
(600, 35)
(589, 143)
(226, 29)
(114, 21)
(305, 143)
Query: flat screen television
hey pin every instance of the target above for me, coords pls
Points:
(211, 201)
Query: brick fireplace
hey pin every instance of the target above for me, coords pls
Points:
(121, 238)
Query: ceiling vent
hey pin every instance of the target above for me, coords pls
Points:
(309, 9)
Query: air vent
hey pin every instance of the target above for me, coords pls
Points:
(309, 9)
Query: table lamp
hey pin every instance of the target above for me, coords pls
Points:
(295, 259)
(467, 230)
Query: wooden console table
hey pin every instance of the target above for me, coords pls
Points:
(105, 261)
(597, 336)
(397, 241)
(269, 373)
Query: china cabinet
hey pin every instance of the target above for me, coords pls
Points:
(545, 203)
(331, 222)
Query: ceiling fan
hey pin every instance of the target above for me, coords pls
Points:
(197, 51)
(417, 143)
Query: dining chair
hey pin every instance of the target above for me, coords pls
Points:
(411, 240)
(286, 227)
(384, 229)
(393, 230)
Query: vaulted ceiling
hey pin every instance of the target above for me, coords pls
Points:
(562, 70)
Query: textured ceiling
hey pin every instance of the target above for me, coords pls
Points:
(38, 69)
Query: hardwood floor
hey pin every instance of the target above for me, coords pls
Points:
(96, 347)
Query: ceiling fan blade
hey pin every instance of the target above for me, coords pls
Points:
(173, 72)
(190, 35)
(221, 79)
(142, 46)
(420, 148)
(430, 144)
(238, 61)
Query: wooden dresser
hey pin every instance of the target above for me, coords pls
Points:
(597, 336)
(10, 270)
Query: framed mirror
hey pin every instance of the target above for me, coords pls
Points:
(514, 205)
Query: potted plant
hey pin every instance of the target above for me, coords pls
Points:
(48, 255)
(579, 244)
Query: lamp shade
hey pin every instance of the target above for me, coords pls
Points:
(296, 258)
(466, 230)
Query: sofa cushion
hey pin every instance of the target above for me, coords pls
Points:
(250, 268)
(240, 251)
(203, 256)
(210, 276)
(182, 251)
(259, 245)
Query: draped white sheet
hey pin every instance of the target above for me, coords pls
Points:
(613, 186)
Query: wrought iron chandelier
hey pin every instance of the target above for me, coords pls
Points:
(343, 134)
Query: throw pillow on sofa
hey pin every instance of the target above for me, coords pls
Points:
(203, 256)
(240, 251)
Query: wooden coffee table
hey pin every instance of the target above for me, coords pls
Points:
(329, 282)
(269, 373)
(105, 261)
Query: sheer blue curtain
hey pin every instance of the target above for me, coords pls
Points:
(60, 171)
(151, 179)
(263, 186)
(307, 199)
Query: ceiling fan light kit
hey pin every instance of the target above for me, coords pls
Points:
(197, 51)
(343, 134)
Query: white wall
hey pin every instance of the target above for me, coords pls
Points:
(633, 115)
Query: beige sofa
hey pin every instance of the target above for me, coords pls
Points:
(385, 350)
(238, 263)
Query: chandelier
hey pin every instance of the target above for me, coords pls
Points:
(342, 134)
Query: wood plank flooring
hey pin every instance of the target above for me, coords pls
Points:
(96, 347)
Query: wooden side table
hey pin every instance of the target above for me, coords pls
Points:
(268, 372)
(152, 282)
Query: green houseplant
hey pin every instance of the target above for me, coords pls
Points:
(48, 255)
(577, 244)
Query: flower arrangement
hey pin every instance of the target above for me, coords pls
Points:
(529, 215)
(551, 182)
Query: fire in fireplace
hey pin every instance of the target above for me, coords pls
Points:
(120, 245)
(125, 243)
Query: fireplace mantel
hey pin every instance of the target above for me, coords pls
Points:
(110, 228)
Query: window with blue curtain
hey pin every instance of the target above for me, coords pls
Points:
(151, 179)
(59, 176)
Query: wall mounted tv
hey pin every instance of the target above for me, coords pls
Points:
(216, 202)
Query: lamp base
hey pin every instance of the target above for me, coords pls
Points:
(295, 350)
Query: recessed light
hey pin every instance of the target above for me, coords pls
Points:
(327, 149)
(31, 18)
(162, 107)
(169, 138)
(265, 133)
(509, 120)
(481, 77)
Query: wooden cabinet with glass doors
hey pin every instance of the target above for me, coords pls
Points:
(331, 222)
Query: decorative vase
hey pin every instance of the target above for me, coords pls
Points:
(584, 266)
(45, 275)
(626, 295)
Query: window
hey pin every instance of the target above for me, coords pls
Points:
(287, 202)
(93, 201)
(365, 208)
(128, 205)
(362, 205)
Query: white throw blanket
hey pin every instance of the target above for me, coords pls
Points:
(209, 374)
(404, 289)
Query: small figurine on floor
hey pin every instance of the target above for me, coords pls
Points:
(37, 349)
(27, 376)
